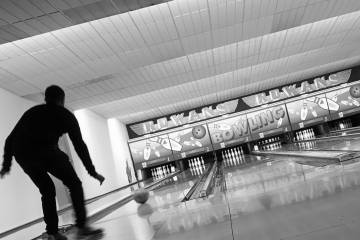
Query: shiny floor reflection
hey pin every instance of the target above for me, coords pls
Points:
(275, 200)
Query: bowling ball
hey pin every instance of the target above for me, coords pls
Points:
(355, 91)
(145, 210)
(141, 196)
(199, 132)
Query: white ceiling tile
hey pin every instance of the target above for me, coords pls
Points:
(179, 52)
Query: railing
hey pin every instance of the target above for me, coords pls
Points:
(347, 136)
(209, 181)
(345, 130)
(196, 186)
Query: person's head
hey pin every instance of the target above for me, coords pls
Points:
(54, 95)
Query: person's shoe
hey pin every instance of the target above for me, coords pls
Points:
(89, 231)
(56, 236)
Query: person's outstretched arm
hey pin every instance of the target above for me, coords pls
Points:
(8, 154)
(8, 148)
(81, 148)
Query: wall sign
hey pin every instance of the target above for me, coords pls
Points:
(182, 119)
(150, 149)
(268, 122)
(190, 141)
(229, 131)
(294, 90)
(347, 99)
(310, 111)
(139, 129)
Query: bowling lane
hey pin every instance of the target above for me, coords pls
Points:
(175, 189)
(276, 184)
(164, 216)
(346, 131)
(335, 144)
(285, 200)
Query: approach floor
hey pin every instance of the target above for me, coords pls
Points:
(276, 199)
(268, 198)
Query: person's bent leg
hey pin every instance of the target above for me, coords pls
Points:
(48, 195)
(62, 169)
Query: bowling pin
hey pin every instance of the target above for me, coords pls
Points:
(227, 158)
(236, 157)
(303, 112)
(224, 162)
(301, 136)
(197, 170)
(164, 170)
(147, 151)
(201, 170)
(192, 171)
(160, 172)
(232, 159)
(157, 173)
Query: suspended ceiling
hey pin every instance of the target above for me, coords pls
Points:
(175, 55)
